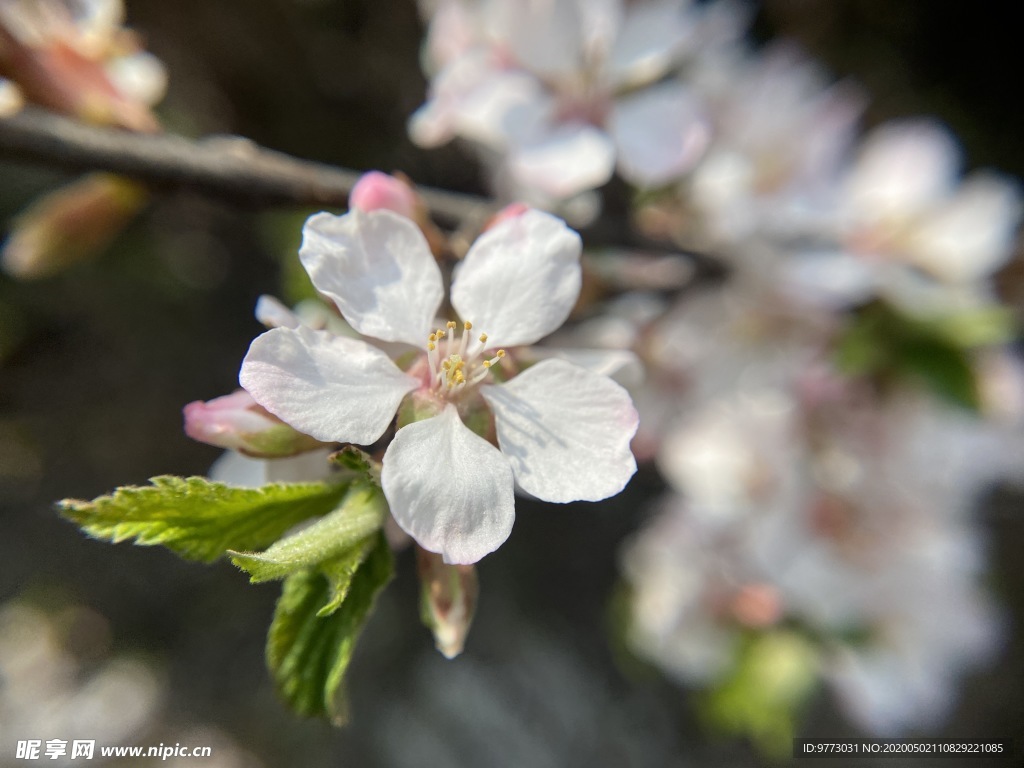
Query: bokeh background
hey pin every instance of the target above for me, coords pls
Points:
(96, 364)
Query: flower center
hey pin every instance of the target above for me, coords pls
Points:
(457, 364)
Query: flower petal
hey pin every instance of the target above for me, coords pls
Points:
(660, 133)
(544, 36)
(449, 488)
(273, 314)
(651, 37)
(520, 279)
(566, 431)
(564, 161)
(327, 386)
(378, 269)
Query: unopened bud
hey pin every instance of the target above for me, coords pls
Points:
(376, 191)
(239, 423)
(511, 211)
(448, 595)
(70, 225)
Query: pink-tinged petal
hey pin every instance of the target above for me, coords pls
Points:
(376, 191)
(520, 279)
(378, 269)
(566, 431)
(333, 388)
(448, 488)
(660, 133)
(565, 161)
(239, 423)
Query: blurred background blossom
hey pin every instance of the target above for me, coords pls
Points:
(824, 539)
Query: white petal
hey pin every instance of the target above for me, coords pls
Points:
(833, 279)
(972, 234)
(568, 160)
(903, 168)
(520, 279)
(378, 269)
(545, 36)
(652, 36)
(505, 107)
(327, 386)
(566, 431)
(273, 314)
(449, 488)
(660, 133)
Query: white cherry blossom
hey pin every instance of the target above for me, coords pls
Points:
(561, 93)
(562, 432)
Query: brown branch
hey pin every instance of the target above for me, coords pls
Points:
(236, 169)
(228, 167)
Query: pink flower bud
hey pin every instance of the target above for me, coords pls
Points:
(238, 423)
(377, 191)
(511, 211)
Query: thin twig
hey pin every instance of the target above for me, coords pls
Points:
(229, 167)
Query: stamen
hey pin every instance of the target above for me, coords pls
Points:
(432, 353)
(451, 336)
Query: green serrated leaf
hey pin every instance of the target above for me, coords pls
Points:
(341, 570)
(360, 513)
(199, 519)
(308, 654)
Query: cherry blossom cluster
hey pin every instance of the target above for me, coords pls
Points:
(818, 478)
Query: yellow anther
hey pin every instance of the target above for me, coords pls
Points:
(501, 353)
(467, 325)
(431, 346)
(439, 334)
(487, 363)
(483, 338)
(432, 337)
(451, 324)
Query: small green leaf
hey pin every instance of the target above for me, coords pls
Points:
(360, 513)
(358, 462)
(199, 519)
(341, 570)
(308, 654)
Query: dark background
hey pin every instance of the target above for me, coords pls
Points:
(106, 355)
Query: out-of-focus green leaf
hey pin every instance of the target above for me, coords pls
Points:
(764, 696)
(884, 344)
(200, 519)
(309, 648)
